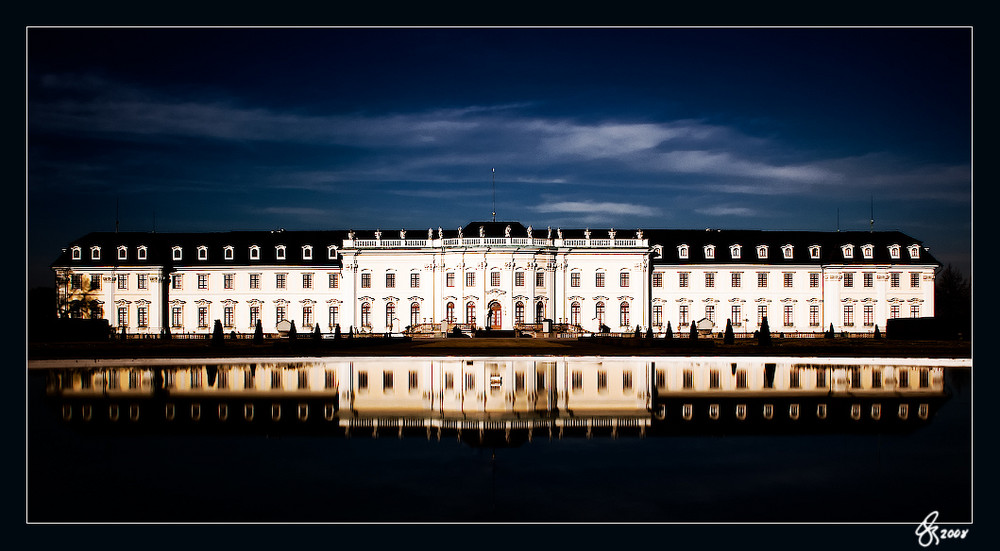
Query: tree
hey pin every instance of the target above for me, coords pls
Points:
(729, 338)
(292, 332)
(258, 333)
(694, 331)
(649, 333)
(217, 334)
(317, 334)
(638, 332)
(877, 334)
(165, 333)
(829, 332)
(670, 332)
(336, 332)
(953, 302)
(764, 337)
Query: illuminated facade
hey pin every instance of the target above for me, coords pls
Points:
(498, 275)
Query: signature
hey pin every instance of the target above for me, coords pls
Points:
(927, 532)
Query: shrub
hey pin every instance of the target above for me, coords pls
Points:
(729, 338)
(764, 337)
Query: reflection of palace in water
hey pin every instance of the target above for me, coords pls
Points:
(512, 399)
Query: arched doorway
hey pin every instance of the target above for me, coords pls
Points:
(494, 318)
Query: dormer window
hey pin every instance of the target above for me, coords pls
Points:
(814, 251)
(914, 251)
(734, 251)
(331, 252)
(140, 253)
(95, 253)
(279, 252)
(122, 252)
(254, 252)
(227, 252)
(868, 251)
(848, 251)
(762, 252)
(202, 253)
(77, 253)
(682, 251)
(307, 252)
(786, 251)
(894, 251)
(177, 253)
(710, 252)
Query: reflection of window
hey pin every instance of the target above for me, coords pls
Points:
(688, 379)
(602, 380)
(627, 380)
(577, 380)
(362, 380)
(713, 378)
(387, 381)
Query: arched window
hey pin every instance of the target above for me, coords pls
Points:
(414, 313)
(539, 312)
(390, 315)
(599, 313)
(574, 313)
(624, 322)
(449, 312)
(470, 313)
(366, 315)
(519, 312)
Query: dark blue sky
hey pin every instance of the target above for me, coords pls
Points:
(220, 129)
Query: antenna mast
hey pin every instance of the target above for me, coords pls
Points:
(838, 218)
(871, 227)
(494, 195)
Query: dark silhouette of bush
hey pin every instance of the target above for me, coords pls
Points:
(638, 332)
(649, 333)
(878, 334)
(336, 332)
(292, 333)
(764, 337)
(258, 333)
(829, 333)
(729, 338)
(317, 334)
(218, 336)
(694, 331)
(670, 332)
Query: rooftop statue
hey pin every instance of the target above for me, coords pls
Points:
(460, 232)
(378, 234)
(440, 232)
(506, 231)
(638, 234)
(402, 234)
(586, 233)
(611, 233)
(549, 235)
(529, 231)
(482, 231)
(350, 235)
(559, 232)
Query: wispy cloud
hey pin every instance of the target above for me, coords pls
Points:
(726, 211)
(594, 207)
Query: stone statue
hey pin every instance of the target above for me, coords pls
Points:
(350, 235)
(559, 232)
(611, 233)
(638, 234)
(459, 232)
(549, 235)
(440, 233)
(402, 234)
(529, 232)
(506, 231)
(482, 231)
(430, 234)
(378, 234)
(586, 233)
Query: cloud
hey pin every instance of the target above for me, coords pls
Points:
(726, 211)
(594, 207)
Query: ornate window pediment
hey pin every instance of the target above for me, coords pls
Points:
(894, 251)
(709, 252)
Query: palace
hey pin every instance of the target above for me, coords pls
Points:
(497, 275)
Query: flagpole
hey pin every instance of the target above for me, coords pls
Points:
(494, 195)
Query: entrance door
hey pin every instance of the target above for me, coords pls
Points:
(495, 318)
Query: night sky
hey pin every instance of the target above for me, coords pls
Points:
(241, 129)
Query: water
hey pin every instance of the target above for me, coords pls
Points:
(527, 439)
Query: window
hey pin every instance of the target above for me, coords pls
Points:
(914, 279)
(254, 315)
(390, 315)
(449, 381)
(202, 253)
(814, 251)
(176, 253)
(470, 313)
(734, 251)
(761, 279)
(599, 279)
(710, 312)
(867, 251)
(494, 279)
(574, 279)
(334, 317)
(539, 279)
(684, 310)
(894, 311)
(789, 279)
(709, 252)
(123, 316)
(539, 311)
(279, 252)
(786, 251)
(682, 251)
(176, 316)
(176, 281)
(366, 314)
(122, 252)
(894, 279)
(255, 281)
(307, 316)
(334, 281)
(307, 252)
(143, 314)
(470, 279)
(76, 253)
(574, 313)
(914, 251)
(736, 279)
(95, 254)
(228, 281)
(894, 251)
(849, 315)
(227, 316)
(518, 279)
(813, 315)
(737, 315)
(414, 313)
(762, 252)
(254, 252)
(682, 279)
(869, 279)
(227, 252)
(914, 310)
(741, 378)
(142, 281)
(813, 280)
(713, 378)
(599, 312)
(789, 315)
(657, 315)
(761, 313)
(95, 281)
(280, 280)
(366, 280)
(449, 312)
(203, 317)
(577, 380)
(390, 280)
(203, 281)
(848, 279)
(623, 279)
(688, 379)
(307, 281)
(280, 313)
(869, 315)
(76, 281)
(470, 381)
(415, 280)
(331, 252)
(848, 251)
(519, 312)
(709, 279)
